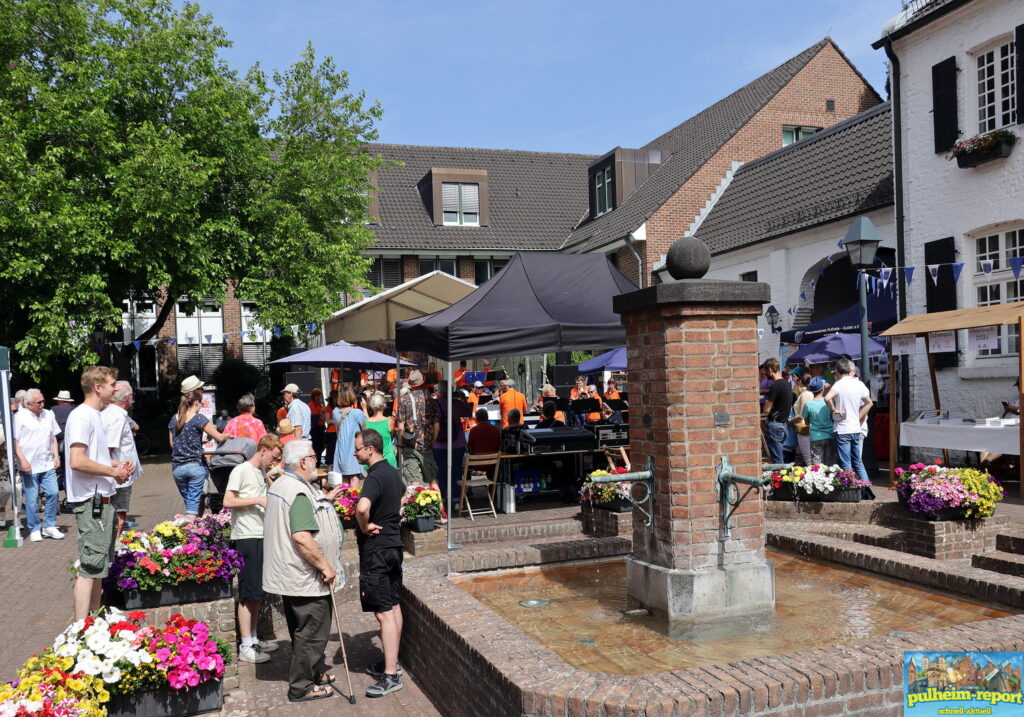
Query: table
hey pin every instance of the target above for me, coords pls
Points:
(958, 436)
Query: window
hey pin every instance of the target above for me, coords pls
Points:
(385, 273)
(460, 203)
(484, 269)
(748, 276)
(795, 134)
(604, 191)
(997, 88)
(207, 321)
(445, 265)
(999, 285)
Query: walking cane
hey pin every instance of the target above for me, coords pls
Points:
(344, 656)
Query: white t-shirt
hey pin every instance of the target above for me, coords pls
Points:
(850, 395)
(86, 426)
(247, 480)
(120, 439)
(35, 436)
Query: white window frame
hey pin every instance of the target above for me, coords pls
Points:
(800, 132)
(604, 191)
(995, 86)
(464, 218)
(998, 245)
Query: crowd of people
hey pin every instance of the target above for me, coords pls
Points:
(815, 413)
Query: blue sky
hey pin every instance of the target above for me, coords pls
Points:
(547, 76)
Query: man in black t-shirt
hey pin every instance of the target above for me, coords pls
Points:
(777, 406)
(380, 556)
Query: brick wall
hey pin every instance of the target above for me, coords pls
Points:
(708, 355)
(952, 539)
(232, 312)
(466, 269)
(602, 523)
(801, 102)
(410, 268)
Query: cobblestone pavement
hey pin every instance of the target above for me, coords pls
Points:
(35, 597)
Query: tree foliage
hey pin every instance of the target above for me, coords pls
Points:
(134, 162)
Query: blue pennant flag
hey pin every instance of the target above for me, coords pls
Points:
(118, 345)
(957, 268)
(813, 282)
(311, 326)
(790, 310)
(137, 345)
(884, 274)
(1016, 262)
(908, 274)
(277, 331)
(172, 341)
(224, 337)
(209, 338)
(101, 347)
(839, 244)
(821, 272)
(986, 266)
(803, 296)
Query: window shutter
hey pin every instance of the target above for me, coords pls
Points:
(941, 295)
(471, 198)
(1019, 51)
(449, 197)
(944, 110)
(391, 272)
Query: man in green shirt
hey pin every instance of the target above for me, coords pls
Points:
(246, 496)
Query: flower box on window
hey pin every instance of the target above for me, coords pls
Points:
(984, 148)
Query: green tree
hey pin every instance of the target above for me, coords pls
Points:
(134, 162)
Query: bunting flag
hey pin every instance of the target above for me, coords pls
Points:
(839, 243)
(190, 339)
(1016, 262)
(295, 330)
(277, 332)
(152, 341)
(118, 345)
(813, 282)
(311, 326)
(172, 341)
(101, 347)
(137, 345)
(908, 274)
(240, 333)
(933, 272)
(884, 275)
(803, 296)
(760, 333)
(821, 272)
(790, 310)
(209, 338)
(224, 337)
(957, 268)
(986, 266)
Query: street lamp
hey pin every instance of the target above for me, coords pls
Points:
(861, 242)
(771, 315)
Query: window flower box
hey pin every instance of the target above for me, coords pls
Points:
(165, 701)
(616, 505)
(135, 599)
(984, 148)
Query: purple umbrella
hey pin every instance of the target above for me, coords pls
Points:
(829, 348)
(341, 353)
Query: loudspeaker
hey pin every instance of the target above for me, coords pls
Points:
(562, 375)
(305, 380)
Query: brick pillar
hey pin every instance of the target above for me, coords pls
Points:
(693, 355)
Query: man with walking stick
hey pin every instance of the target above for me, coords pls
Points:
(380, 556)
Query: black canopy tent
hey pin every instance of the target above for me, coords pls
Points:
(539, 302)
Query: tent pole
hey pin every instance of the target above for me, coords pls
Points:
(892, 415)
(935, 386)
(397, 390)
(1020, 390)
(13, 539)
(450, 432)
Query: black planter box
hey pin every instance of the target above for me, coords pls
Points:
(786, 491)
(616, 505)
(134, 599)
(944, 514)
(841, 495)
(422, 525)
(973, 159)
(166, 702)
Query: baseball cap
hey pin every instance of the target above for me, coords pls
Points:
(478, 384)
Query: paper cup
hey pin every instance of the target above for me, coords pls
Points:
(334, 478)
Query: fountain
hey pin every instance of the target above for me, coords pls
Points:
(660, 634)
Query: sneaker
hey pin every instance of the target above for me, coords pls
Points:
(377, 669)
(130, 524)
(264, 646)
(35, 536)
(385, 686)
(53, 532)
(249, 653)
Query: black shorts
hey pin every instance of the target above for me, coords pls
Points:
(380, 579)
(250, 577)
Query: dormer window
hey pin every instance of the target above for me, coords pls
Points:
(795, 134)
(460, 202)
(457, 197)
(604, 191)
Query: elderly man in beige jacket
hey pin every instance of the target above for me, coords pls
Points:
(301, 560)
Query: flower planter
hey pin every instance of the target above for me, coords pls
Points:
(134, 599)
(944, 514)
(1001, 150)
(786, 491)
(349, 523)
(616, 505)
(840, 495)
(168, 702)
(422, 525)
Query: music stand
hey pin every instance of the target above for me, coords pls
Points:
(496, 375)
(617, 404)
(472, 377)
(586, 405)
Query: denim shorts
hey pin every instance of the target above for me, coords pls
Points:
(190, 478)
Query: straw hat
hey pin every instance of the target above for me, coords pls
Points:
(415, 379)
(64, 397)
(285, 427)
(190, 384)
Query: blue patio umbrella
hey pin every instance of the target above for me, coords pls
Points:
(829, 348)
(341, 353)
(614, 360)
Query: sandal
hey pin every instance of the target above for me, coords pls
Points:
(316, 692)
(324, 678)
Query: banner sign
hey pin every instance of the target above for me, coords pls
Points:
(962, 683)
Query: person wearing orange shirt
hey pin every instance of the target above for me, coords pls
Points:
(473, 400)
(580, 387)
(460, 375)
(548, 393)
(611, 393)
(596, 415)
(318, 421)
(487, 369)
(510, 398)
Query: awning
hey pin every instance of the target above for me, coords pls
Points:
(881, 315)
(341, 353)
(373, 319)
(614, 360)
(994, 315)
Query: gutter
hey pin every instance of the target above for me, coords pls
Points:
(641, 269)
(901, 246)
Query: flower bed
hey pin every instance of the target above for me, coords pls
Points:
(109, 656)
(175, 553)
(815, 483)
(345, 505)
(610, 496)
(937, 492)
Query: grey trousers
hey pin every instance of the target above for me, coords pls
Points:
(309, 626)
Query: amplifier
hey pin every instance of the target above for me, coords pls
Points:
(610, 434)
(554, 440)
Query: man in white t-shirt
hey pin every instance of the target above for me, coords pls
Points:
(35, 446)
(246, 496)
(849, 401)
(121, 441)
(91, 483)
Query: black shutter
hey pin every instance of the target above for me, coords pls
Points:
(941, 295)
(944, 104)
(1019, 49)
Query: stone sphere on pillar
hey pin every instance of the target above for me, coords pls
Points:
(688, 258)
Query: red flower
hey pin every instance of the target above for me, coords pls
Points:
(136, 615)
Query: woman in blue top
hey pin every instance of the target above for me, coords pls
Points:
(186, 429)
(349, 421)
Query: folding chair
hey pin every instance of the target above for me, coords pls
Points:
(616, 453)
(478, 461)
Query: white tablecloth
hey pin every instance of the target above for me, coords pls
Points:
(961, 437)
